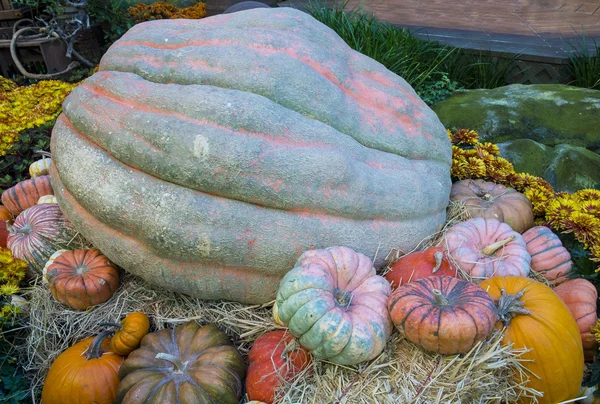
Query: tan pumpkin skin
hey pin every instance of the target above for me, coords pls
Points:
(26, 194)
(82, 278)
(581, 297)
(494, 201)
(548, 255)
(133, 328)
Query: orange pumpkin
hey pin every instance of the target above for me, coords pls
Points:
(81, 278)
(548, 255)
(131, 331)
(84, 373)
(442, 314)
(275, 358)
(420, 264)
(535, 318)
(26, 194)
(581, 298)
(3, 235)
(5, 214)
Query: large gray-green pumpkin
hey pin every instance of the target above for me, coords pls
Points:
(206, 155)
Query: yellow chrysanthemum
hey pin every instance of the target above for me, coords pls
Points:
(586, 228)
(584, 195)
(9, 289)
(596, 330)
(559, 209)
(489, 148)
(539, 199)
(591, 207)
(465, 136)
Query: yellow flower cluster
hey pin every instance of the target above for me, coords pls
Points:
(161, 10)
(28, 107)
(12, 272)
(578, 213)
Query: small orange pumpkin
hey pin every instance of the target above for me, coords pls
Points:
(26, 194)
(84, 373)
(81, 278)
(420, 264)
(131, 331)
(548, 255)
(581, 298)
(537, 320)
(5, 214)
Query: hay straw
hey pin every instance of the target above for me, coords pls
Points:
(403, 373)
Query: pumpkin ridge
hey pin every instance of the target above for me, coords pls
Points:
(459, 307)
(236, 377)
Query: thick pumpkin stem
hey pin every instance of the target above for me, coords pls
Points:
(440, 299)
(510, 306)
(178, 365)
(95, 351)
(439, 257)
(492, 248)
(343, 297)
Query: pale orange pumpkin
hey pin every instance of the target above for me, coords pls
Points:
(581, 298)
(535, 318)
(548, 255)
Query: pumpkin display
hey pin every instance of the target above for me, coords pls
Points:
(581, 297)
(217, 169)
(47, 199)
(548, 255)
(81, 278)
(420, 264)
(130, 333)
(5, 214)
(187, 364)
(538, 321)
(486, 247)
(336, 304)
(494, 201)
(39, 232)
(26, 194)
(274, 358)
(83, 373)
(3, 235)
(40, 167)
(443, 314)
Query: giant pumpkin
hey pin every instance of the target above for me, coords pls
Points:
(206, 155)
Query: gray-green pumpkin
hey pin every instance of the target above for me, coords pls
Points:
(206, 155)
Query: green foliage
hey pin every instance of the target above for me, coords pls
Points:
(479, 70)
(583, 267)
(585, 66)
(592, 376)
(14, 166)
(112, 15)
(14, 386)
(437, 89)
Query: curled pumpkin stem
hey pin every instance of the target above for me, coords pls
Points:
(95, 351)
(492, 248)
(440, 299)
(510, 306)
(438, 256)
(178, 365)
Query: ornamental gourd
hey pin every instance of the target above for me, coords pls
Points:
(218, 168)
(40, 167)
(443, 314)
(494, 201)
(187, 364)
(47, 199)
(81, 278)
(420, 264)
(486, 247)
(26, 194)
(130, 333)
(84, 373)
(538, 322)
(548, 255)
(581, 297)
(275, 358)
(335, 303)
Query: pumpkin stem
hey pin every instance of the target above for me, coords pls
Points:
(439, 256)
(492, 248)
(510, 306)
(289, 347)
(343, 297)
(43, 153)
(440, 299)
(178, 365)
(10, 227)
(95, 351)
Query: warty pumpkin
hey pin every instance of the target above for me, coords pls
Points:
(494, 201)
(84, 373)
(187, 364)
(335, 303)
(26, 194)
(443, 314)
(39, 232)
(548, 255)
(535, 318)
(81, 278)
(581, 297)
(420, 264)
(486, 247)
(218, 168)
(275, 358)
(130, 333)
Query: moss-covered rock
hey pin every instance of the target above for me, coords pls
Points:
(565, 167)
(551, 114)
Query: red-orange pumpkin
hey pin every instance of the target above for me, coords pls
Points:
(82, 278)
(26, 194)
(443, 314)
(548, 255)
(275, 358)
(3, 235)
(581, 298)
(420, 264)
(5, 214)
